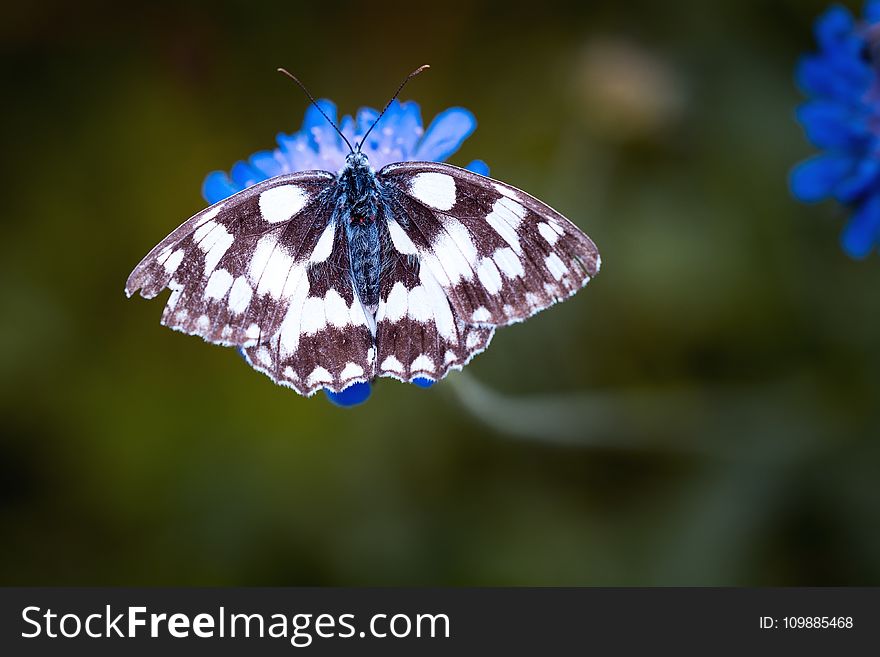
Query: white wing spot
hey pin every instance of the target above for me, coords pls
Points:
(400, 239)
(276, 272)
(548, 233)
(505, 218)
(449, 357)
(436, 190)
(451, 258)
(396, 304)
(203, 323)
(260, 257)
(462, 238)
(281, 203)
(419, 307)
(481, 314)
(173, 262)
(253, 332)
(240, 295)
(351, 370)
(508, 262)
(439, 304)
(325, 244)
(313, 317)
(422, 363)
(319, 375)
(391, 364)
(217, 244)
(472, 339)
(335, 309)
(289, 373)
(203, 230)
(555, 266)
(504, 191)
(291, 325)
(176, 290)
(218, 285)
(488, 274)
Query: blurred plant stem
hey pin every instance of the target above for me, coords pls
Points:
(776, 422)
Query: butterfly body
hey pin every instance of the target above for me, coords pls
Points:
(325, 280)
(358, 210)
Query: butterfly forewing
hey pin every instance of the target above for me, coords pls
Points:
(232, 268)
(499, 254)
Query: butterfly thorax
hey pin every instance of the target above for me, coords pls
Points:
(358, 210)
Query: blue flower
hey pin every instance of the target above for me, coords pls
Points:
(843, 119)
(399, 137)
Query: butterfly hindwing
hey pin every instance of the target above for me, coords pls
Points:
(499, 254)
(418, 334)
(231, 268)
(325, 339)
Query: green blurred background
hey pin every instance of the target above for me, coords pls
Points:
(704, 413)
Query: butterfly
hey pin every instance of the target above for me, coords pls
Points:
(325, 279)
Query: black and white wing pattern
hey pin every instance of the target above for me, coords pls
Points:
(472, 254)
(418, 333)
(325, 338)
(231, 267)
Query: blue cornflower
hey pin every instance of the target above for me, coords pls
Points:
(399, 137)
(843, 119)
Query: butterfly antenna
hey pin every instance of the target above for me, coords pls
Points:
(315, 103)
(396, 93)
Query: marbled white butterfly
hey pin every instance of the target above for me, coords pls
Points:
(328, 279)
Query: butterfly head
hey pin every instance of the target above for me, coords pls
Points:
(357, 160)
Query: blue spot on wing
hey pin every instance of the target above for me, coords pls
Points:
(356, 393)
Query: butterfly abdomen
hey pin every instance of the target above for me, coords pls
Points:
(364, 254)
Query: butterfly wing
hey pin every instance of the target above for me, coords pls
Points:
(418, 334)
(325, 339)
(469, 254)
(499, 254)
(233, 267)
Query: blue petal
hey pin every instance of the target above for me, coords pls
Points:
(266, 164)
(861, 177)
(356, 393)
(834, 27)
(445, 134)
(872, 11)
(366, 116)
(347, 126)
(832, 125)
(818, 177)
(842, 79)
(863, 230)
(422, 382)
(478, 166)
(319, 131)
(218, 186)
(403, 129)
(243, 175)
